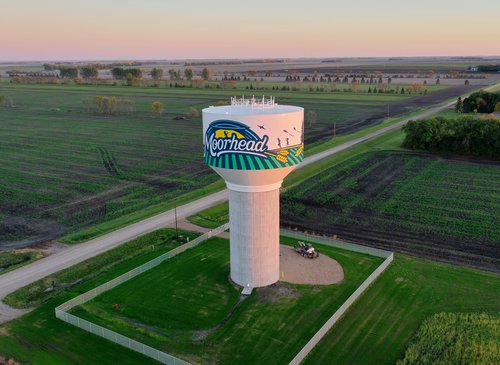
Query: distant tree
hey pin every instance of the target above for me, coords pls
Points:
(113, 104)
(89, 72)
(206, 73)
(131, 79)
(488, 68)
(157, 108)
(188, 74)
(49, 66)
(135, 72)
(310, 118)
(69, 72)
(193, 113)
(98, 103)
(415, 88)
(173, 74)
(156, 73)
(118, 73)
(458, 105)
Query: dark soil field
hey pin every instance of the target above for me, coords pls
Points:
(440, 208)
(393, 109)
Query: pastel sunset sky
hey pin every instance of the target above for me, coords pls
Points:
(164, 29)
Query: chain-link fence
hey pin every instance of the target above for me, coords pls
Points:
(61, 310)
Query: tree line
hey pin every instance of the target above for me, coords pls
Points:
(479, 102)
(99, 66)
(465, 136)
(87, 72)
(487, 68)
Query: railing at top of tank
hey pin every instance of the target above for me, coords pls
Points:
(253, 102)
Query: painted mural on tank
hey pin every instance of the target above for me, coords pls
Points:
(235, 145)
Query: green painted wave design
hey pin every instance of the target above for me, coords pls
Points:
(249, 162)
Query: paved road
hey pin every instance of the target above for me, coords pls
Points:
(74, 254)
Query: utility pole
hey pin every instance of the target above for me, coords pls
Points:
(176, 232)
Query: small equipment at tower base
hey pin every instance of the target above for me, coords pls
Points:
(253, 144)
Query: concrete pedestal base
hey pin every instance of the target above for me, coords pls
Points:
(254, 237)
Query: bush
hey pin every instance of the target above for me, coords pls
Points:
(193, 113)
(480, 102)
(157, 108)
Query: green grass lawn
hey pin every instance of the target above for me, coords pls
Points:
(177, 300)
(379, 326)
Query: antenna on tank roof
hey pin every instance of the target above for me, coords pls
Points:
(253, 102)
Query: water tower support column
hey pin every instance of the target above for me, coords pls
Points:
(254, 236)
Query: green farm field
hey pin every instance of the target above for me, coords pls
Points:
(456, 338)
(64, 167)
(435, 207)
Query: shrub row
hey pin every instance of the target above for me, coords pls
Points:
(465, 136)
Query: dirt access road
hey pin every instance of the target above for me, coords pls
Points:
(73, 255)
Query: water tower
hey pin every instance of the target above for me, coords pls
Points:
(253, 144)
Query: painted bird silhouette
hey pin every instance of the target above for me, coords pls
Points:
(261, 126)
(285, 131)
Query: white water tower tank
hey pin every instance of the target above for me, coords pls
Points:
(253, 144)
